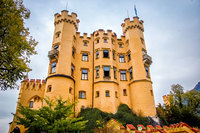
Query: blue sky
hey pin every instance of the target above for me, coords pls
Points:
(171, 32)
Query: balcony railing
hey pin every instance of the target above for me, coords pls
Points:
(53, 54)
(147, 59)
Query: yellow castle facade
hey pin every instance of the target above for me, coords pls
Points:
(98, 70)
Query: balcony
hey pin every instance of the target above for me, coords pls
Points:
(53, 54)
(147, 59)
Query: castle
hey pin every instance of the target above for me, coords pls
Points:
(99, 71)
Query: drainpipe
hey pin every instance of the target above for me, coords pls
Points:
(93, 79)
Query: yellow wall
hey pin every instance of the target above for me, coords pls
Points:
(139, 89)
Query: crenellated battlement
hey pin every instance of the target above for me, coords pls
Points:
(135, 23)
(33, 84)
(103, 33)
(68, 18)
(84, 36)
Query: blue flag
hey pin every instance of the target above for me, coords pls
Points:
(135, 10)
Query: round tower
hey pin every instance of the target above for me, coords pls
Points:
(106, 86)
(60, 81)
(140, 85)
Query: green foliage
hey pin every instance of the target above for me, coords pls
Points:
(56, 117)
(97, 119)
(184, 107)
(126, 116)
(16, 45)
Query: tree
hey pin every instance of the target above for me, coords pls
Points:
(97, 118)
(56, 117)
(183, 107)
(16, 45)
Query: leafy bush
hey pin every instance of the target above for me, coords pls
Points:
(97, 118)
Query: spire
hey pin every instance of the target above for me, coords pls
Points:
(135, 11)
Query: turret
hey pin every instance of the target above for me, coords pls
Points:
(140, 84)
(60, 80)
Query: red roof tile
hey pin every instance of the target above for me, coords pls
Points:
(158, 126)
(130, 126)
(195, 130)
(122, 127)
(150, 126)
(166, 127)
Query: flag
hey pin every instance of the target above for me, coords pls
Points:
(135, 10)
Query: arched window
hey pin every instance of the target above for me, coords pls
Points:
(70, 90)
(49, 88)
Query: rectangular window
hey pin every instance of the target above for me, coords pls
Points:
(120, 45)
(129, 56)
(115, 72)
(113, 55)
(58, 34)
(131, 73)
(85, 43)
(105, 41)
(84, 74)
(113, 41)
(121, 58)
(143, 52)
(97, 93)
(123, 75)
(97, 54)
(151, 91)
(31, 104)
(56, 47)
(124, 92)
(107, 93)
(105, 53)
(97, 72)
(53, 67)
(106, 71)
(116, 94)
(142, 40)
(72, 70)
(84, 57)
(73, 52)
(82, 94)
(147, 71)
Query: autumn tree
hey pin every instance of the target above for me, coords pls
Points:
(16, 45)
(56, 117)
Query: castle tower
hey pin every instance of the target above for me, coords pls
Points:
(140, 86)
(60, 80)
(106, 86)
